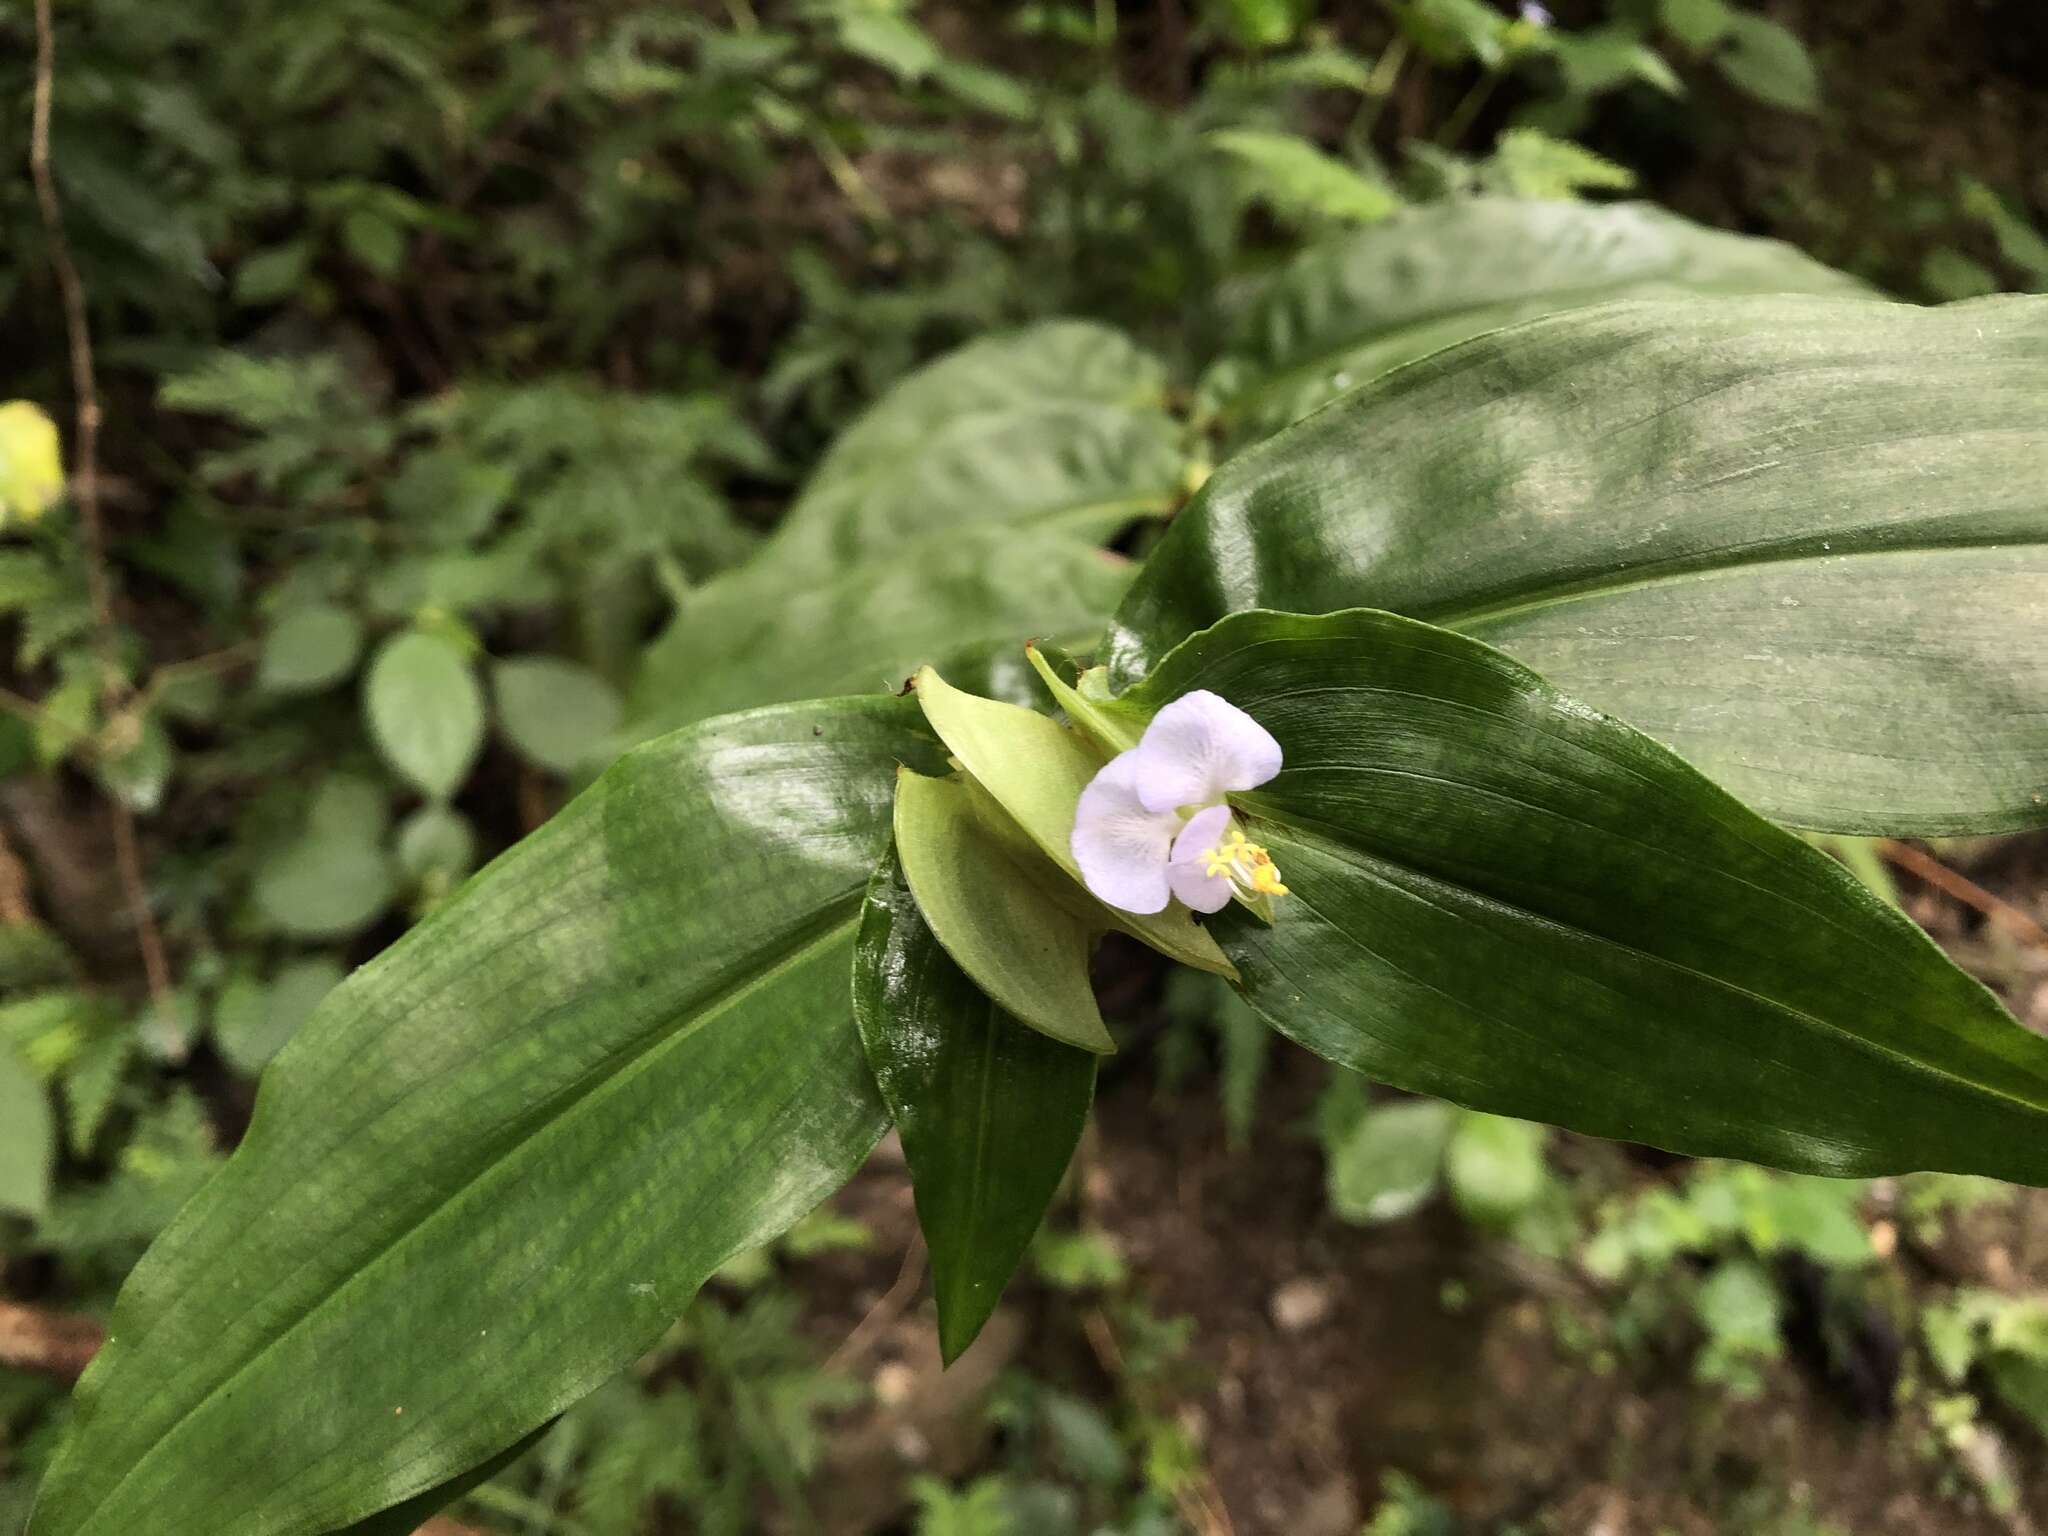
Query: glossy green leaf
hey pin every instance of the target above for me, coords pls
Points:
(28, 1137)
(1389, 1163)
(559, 715)
(1803, 541)
(1346, 311)
(989, 1111)
(766, 634)
(314, 646)
(497, 1162)
(1503, 898)
(1008, 929)
(426, 710)
(1035, 769)
(411, 1517)
(1060, 427)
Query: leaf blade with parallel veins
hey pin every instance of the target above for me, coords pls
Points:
(1800, 540)
(620, 1054)
(989, 1111)
(1503, 898)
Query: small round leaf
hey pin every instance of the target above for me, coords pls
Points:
(310, 648)
(436, 841)
(559, 715)
(426, 711)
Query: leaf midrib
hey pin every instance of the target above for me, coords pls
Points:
(830, 924)
(1729, 560)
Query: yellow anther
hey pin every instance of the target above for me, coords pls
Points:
(1249, 867)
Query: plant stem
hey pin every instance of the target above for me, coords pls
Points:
(86, 493)
(1931, 871)
(1461, 118)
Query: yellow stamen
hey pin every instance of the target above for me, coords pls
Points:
(1250, 868)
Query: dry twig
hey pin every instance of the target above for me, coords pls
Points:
(883, 1312)
(1199, 1499)
(1931, 871)
(58, 1344)
(86, 492)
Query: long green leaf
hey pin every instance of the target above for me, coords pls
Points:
(1060, 427)
(768, 633)
(1347, 310)
(1503, 898)
(499, 1159)
(1803, 541)
(990, 1111)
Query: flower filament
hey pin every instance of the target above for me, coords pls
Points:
(1248, 866)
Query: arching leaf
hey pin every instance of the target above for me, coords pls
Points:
(1503, 898)
(500, 1158)
(1802, 541)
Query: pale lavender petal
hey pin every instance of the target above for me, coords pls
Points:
(1205, 830)
(1120, 846)
(1187, 869)
(1199, 747)
(1198, 890)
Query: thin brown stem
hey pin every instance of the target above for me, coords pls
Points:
(58, 1344)
(15, 909)
(884, 1312)
(1931, 871)
(86, 490)
(78, 332)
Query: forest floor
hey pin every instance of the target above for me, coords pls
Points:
(1325, 1356)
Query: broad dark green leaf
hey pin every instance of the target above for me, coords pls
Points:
(1503, 898)
(767, 633)
(1803, 541)
(990, 1111)
(1346, 311)
(501, 1157)
(407, 1518)
(1060, 427)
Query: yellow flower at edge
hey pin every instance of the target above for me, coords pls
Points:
(31, 462)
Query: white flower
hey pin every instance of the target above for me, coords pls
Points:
(1535, 15)
(1153, 824)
